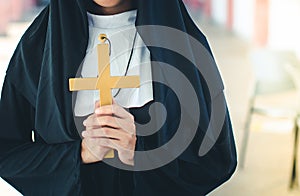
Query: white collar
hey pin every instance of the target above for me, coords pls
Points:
(112, 21)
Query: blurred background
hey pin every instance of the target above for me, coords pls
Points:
(256, 44)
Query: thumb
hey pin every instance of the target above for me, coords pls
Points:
(97, 104)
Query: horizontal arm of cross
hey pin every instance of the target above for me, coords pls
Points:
(77, 84)
(125, 82)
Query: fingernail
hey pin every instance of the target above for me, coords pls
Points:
(84, 122)
(83, 133)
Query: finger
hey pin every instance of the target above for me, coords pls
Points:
(101, 121)
(94, 121)
(120, 111)
(91, 121)
(114, 110)
(108, 121)
(91, 145)
(117, 123)
(106, 133)
(106, 142)
(113, 144)
(97, 104)
(126, 141)
(125, 155)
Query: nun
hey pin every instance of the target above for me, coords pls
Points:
(171, 136)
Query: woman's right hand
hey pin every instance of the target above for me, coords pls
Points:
(91, 151)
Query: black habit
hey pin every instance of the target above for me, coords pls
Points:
(35, 97)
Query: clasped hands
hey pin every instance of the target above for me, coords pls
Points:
(109, 127)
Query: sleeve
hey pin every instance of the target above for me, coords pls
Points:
(33, 168)
(191, 174)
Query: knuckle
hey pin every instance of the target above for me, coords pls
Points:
(113, 119)
(134, 138)
(134, 127)
(131, 117)
(95, 120)
(102, 121)
(89, 117)
(86, 121)
(127, 143)
(130, 142)
(105, 131)
(110, 119)
(89, 133)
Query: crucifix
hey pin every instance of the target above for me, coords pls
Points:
(104, 82)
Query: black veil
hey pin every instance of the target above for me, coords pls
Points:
(53, 47)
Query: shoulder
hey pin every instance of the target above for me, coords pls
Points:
(26, 60)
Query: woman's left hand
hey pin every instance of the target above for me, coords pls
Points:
(116, 126)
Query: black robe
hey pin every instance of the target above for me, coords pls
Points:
(35, 97)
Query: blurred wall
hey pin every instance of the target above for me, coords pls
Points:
(219, 11)
(243, 18)
(284, 28)
(265, 23)
(12, 10)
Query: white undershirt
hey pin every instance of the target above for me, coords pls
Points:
(120, 29)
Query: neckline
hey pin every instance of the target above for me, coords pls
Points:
(112, 21)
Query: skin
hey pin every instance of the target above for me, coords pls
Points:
(110, 127)
(109, 7)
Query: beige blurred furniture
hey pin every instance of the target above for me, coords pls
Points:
(275, 72)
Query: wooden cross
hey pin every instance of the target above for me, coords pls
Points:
(104, 82)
